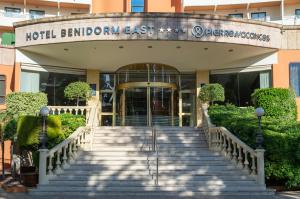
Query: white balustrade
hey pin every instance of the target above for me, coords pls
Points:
(233, 149)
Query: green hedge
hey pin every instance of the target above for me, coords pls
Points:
(29, 128)
(278, 103)
(24, 103)
(71, 122)
(282, 141)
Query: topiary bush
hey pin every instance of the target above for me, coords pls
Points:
(212, 93)
(71, 122)
(30, 127)
(78, 91)
(279, 103)
(24, 103)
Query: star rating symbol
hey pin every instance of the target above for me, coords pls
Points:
(176, 30)
(169, 29)
(161, 30)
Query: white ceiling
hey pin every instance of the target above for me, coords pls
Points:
(108, 56)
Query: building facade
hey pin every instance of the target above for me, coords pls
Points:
(146, 60)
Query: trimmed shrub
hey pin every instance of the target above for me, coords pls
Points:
(30, 127)
(25, 103)
(278, 103)
(212, 93)
(71, 122)
(78, 91)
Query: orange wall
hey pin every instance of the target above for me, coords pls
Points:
(281, 78)
(8, 71)
(106, 6)
(7, 145)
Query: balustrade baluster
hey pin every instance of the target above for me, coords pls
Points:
(234, 154)
(71, 157)
(240, 158)
(50, 166)
(229, 149)
(246, 162)
(253, 166)
(74, 148)
(65, 158)
(224, 151)
(76, 111)
(58, 169)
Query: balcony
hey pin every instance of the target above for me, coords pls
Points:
(72, 1)
(187, 3)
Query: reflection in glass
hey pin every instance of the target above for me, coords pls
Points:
(107, 102)
(106, 120)
(186, 120)
(188, 81)
(107, 81)
(187, 102)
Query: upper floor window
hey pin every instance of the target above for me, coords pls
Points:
(137, 5)
(237, 15)
(297, 13)
(2, 89)
(295, 77)
(12, 12)
(35, 14)
(261, 16)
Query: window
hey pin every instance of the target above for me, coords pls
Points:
(137, 6)
(236, 15)
(295, 77)
(12, 12)
(2, 89)
(35, 14)
(261, 16)
(297, 13)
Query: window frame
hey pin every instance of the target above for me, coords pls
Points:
(137, 6)
(258, 13)
(4, 86)
(37, 11)
(233, 15)
(297, 13)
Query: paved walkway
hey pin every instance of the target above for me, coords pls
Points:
(283, 195)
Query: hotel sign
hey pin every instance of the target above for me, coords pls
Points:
(160, 28)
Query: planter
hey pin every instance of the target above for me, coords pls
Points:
(29, 176)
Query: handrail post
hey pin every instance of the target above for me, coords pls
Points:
(260, 166)
(43, 179)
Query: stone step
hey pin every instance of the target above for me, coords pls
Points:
(126, 189)
(161, 158)
(161, 168)
(136, 183)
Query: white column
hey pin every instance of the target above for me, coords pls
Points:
(248, 11)
(43, 179)
(260, 166)
(282, 11)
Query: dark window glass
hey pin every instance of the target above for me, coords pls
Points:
(106, 120)
(107, 102)
(188, 81)
(186, 120)
(261, 16)
(237, 15)
(107, 81)
(297, 13)
(2, 89)
(239, 86)
(137, 6)
(12, 12)
(187, 102)
(295, 77)
(35, 14)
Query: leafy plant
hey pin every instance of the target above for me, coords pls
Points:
(77, 91)
(278, 103)
(212, 93)
(71, 122)
(24, 103)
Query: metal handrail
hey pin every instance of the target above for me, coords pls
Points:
(156, 150)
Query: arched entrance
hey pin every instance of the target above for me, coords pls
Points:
(147, 94)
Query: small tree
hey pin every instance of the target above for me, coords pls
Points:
(77, 91)
(212, 93)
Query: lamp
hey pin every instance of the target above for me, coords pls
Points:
(259, 136)
(44, 112)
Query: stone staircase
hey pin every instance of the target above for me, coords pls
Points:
(119, 164)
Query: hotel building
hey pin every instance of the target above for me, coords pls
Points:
(146, 60)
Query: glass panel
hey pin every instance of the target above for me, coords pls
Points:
(261, 16)
(35, 14)
(12, 12)
(248, 82)
(294, 77)
(107, 81)
(161, 106)
(161, 73)
(186, 120)
(188, 81)
(187, 102)
(137, 9)
(2, 88)
(297, 13)
(107, 102)
(264, 79)
(136, 107)
(30, 81)
(106, 120)
(137, 5)
(237, 15)
(137, 2)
